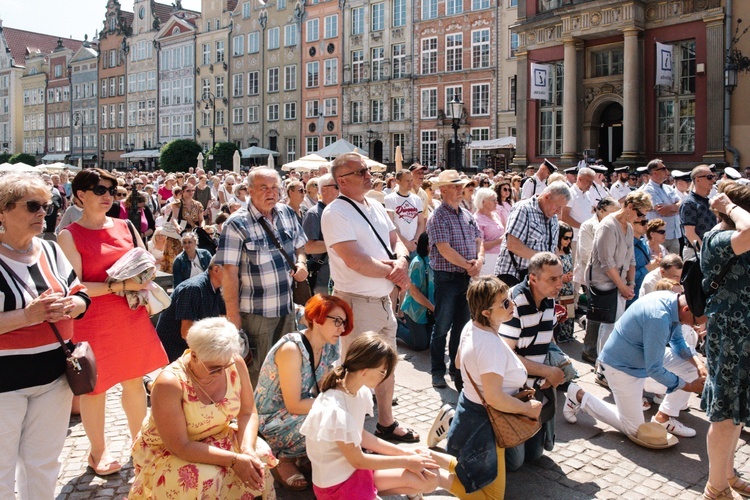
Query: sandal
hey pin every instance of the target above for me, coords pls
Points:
(711, 493)
(739, 485)
(292, 480)
(386, 432)
(109, 468)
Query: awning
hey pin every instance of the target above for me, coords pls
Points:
(54, 157)
(501, 143)
(85, 157)
(142, 153)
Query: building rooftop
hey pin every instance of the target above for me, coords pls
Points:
(22, 42)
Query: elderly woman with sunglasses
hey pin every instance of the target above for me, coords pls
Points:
(287, 384)
(201, 438)
(37, 287)
(92, 245)
(612, 265)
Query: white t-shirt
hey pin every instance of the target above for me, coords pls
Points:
(530, 187)
(483, 351)
(341, 222)
(406, 211)
(580, 208)
(334, 416)
(649, 282)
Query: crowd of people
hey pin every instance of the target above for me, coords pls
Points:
(291, 296)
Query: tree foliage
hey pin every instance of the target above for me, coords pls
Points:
(179, 155)
(223, 155)
(23, 158)
(4, 157)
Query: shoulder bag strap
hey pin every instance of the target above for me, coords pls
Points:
(309, 349)
(131, 228)
(390, 254)
(716, 283)
(267, 227)
(479, 393)
(21, 282)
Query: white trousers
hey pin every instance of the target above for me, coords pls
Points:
(33, 427)
(488, 268)
(626, 415)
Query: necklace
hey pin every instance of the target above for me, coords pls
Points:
(30, 247)
(344, 388)
(195, 377)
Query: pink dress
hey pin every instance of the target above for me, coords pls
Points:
(491, 228)
(123, 340)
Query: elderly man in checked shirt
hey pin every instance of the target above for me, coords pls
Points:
(257, 278)
(532, 227)
(456, 255)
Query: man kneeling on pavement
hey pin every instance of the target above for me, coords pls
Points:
(635, 357)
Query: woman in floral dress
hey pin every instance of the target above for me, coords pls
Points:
(287, 386)
(200, 440)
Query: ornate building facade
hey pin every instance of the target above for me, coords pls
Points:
(84, 81)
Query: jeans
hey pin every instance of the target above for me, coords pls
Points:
(415, 335)
(451, 313)
(526, 452)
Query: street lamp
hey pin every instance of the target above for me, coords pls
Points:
(78, 119)
(456, 110)
(209, 100)
(370, 136)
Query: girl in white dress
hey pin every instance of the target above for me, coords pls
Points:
(335, 435)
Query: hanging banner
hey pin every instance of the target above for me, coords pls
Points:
(540, 75)
(663, 64)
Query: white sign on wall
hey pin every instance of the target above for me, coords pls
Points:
(540, 84)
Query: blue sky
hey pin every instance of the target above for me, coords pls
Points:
(68, 18)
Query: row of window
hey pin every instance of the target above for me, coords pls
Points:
(377, 110)
(453, 49)
(177, 91)
(84, 90)
(110, 144)
(33, 145)
(34, 121)
(177, 58)
(452, 7)
(33, 96)
(61, 144)
(140, 82)
(108, 116)
(112, 86)
(479, 106)
(176, 126)
(142, 113)
(58, 94)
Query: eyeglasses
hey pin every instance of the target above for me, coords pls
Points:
(660, 169)
(337, 321)
(121, 195)
(34, 206)
(361, 172)
(382, 373)
(299, 190)
(99, 190)
(641, 222)
(504, 304)
(215, 369)
(334, 186)
(639, 213)
(659, 231)
(505, 190)
(566, 238)
(710, 177)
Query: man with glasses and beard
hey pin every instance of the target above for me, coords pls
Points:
(367, 259)
(666, 203)
(696, 216)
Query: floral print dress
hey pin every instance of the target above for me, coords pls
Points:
(726, 395)
(278, 427)
(566, 327)
(159, 474)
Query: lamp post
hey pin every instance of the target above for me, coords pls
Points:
(370, 136)
(78, 121)
(456, 110)
(209, 100)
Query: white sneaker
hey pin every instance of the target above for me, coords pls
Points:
(572, 406)
(676, 427)
(440, 426)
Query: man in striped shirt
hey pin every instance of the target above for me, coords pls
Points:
(529, 334)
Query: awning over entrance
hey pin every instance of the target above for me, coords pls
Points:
(142, 153)
(54, 157)
(85, 157)
(501, 143)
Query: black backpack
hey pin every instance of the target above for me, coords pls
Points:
(691, 280)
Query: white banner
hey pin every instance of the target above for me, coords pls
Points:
(540, 85)
(663, 64)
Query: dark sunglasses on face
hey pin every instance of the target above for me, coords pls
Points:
(504, 304)
(361, 172)
(641, 222)
(567, 238)
(34, 206)
(99, 190)
(659, 231)
(710, 177)
(638, 212)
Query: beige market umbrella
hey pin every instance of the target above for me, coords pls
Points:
(270, 161)
(399, 159)
(236, 162)
(200, 161)
(80, 163)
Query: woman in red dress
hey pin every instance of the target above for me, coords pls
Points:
(124, 340)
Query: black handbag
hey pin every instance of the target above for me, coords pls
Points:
(602, 304)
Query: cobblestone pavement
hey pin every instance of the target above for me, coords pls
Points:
(590, 460)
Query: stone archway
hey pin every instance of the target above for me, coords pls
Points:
(602, 126)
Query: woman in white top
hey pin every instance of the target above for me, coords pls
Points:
(334, 434)
(486, 360)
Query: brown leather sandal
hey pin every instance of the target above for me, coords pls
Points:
(289, 476)
(711, 493)
(739, 485)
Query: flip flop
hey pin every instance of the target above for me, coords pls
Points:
(386, 432)
(110, 468)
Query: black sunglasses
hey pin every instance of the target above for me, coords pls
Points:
(34, 206)
(99, 190)
(505, 305)
(567, 238)
(710, 177)
(641, 222)
(639, 213)
(659, 231)
(361, 172)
